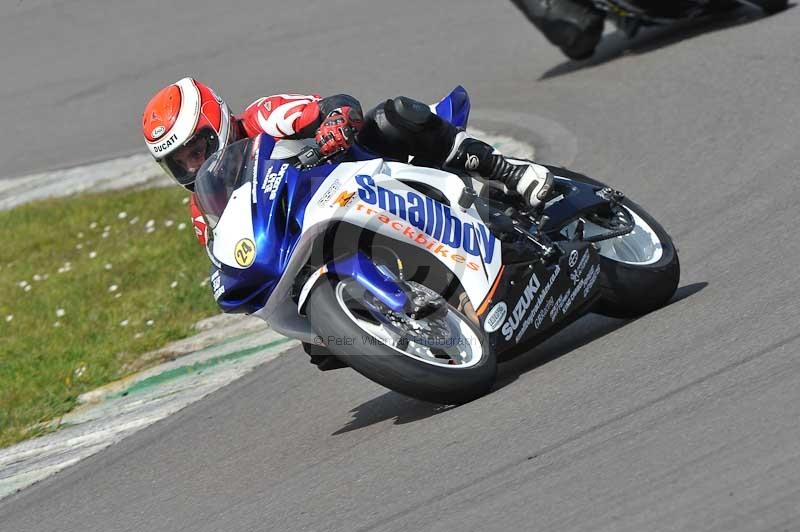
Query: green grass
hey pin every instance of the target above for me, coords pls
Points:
(71, 331)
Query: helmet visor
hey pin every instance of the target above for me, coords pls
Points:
(183, 163)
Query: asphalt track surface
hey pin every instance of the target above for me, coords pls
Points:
(685, 419)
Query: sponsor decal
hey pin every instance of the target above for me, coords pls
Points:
(272, 180)
(495, 317)
(586, 284)
(419, 238)
(166, 144)
(542, 313)
(523, 304)
(573, 258)
(429, 222)
(472, 162)
(591, 278)
(216, 285)
(245, 252)
(564, 301)
(576, 274)
(556, 307)
(157, 132)
(532, 315)
(584, 260)
(343, 199)
(254, 159)
(325, 199)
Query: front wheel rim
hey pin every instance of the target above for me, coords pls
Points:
(451, 342)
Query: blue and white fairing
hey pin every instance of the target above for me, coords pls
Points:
(454, 107)
(268, 228)
(267, 209)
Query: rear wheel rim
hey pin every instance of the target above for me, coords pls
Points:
(640, 247)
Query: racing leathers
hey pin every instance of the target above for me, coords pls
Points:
(282, 116)
(399, 128)
(575, 26)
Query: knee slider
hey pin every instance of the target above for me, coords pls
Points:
(405, 113)
(403, 127)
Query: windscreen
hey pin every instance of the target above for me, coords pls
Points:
(221, 174)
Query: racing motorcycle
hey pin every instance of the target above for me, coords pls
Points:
(420, 279)
(631, 15)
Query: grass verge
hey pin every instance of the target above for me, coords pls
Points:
(89, 284)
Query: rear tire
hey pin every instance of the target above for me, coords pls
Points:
(576, 27)
(770, 6)
(387, 366)
(630, 290)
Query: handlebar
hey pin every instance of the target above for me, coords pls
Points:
(312, 157)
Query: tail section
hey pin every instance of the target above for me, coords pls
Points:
(454, 107)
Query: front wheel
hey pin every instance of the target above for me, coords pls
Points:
(440, 358)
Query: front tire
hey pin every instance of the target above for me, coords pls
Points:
(337, 317)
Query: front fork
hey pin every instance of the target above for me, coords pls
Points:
(376, 280)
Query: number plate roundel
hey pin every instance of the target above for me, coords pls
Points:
(245, 252)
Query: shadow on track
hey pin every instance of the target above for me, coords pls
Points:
(589, 328)
(390, 405)
(616, 45)
(586, 330)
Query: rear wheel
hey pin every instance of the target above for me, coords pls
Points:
(440, 358)
(641, 269)
(770, 6)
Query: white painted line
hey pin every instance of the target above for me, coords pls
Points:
(506, 144)
(136, 170)
(555, 144)
(141, 170)
(151, 396)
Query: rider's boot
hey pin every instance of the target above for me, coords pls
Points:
(532, 181)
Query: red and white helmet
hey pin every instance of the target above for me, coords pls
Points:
(183, 124)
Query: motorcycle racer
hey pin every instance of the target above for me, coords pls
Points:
(185, 122)
(575, 26)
